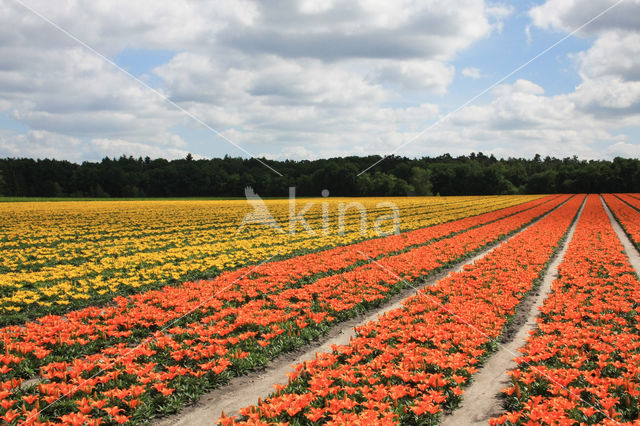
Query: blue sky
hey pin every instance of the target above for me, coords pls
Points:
(508, 49)
(312, 79)
(141, 62)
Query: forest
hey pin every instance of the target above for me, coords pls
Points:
(474, 174)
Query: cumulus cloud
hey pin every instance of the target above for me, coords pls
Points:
(567, 16)
(609, 96)
(302, 79)
(364, 29)
(472, 72)
(431, 76)
(39, 144)
(72, 92)
(284, 73)
(612, 54)
(44, 144)
(523, 120)
(624, 149)
(117, 147)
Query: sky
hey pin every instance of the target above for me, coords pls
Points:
(281, 79)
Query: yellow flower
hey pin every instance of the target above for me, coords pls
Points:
(68, 253)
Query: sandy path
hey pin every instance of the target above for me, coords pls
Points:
(245, 390)
(481, 399)
(629, 248)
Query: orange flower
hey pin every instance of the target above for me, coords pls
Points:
(10, 416)
(84, 406)
(315, 414)
(76, 419)
(113, 410)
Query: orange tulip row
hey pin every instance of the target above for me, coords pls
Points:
(628, 216)
(91, 372)
(410, 364)
(582, 365)
(632, 199)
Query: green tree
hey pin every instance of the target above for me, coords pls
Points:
(494, 181)
(51, 189)
(132, 191)
(542, 183)
(338, 177)
(2, 184)
(463, 175)
(421, 181)
(98, 192)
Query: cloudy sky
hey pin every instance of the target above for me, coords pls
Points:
(318, 78)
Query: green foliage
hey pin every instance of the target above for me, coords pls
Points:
(475, 174)
(421, 181)
(2, 184)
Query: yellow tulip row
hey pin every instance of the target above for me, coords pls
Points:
(60, 255)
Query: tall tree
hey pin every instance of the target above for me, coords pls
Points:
(2, 184)
(421, 181)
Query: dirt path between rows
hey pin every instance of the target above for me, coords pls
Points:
(629, 248)
(245, 390)
(482, 399)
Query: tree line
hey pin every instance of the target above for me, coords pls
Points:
(475, 174)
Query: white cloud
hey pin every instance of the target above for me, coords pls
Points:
(366, 29)
(43, 144)
(612, 54)
(609, 95)
(432, 76)
(39, 144)
(315, 6)
(624, 149)
(304, 79)
(74, 93)
(527, 33)
(276, 75)
(610, 68)
(522, 119)
(473, 73)
(568, 15)
(118, 147)
(520, 86)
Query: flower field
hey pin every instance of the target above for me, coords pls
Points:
(59, 256)
(410, 364)
(128, 348)
(581, 365)
(197, 335)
